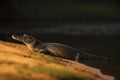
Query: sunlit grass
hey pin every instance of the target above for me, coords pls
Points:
(10, 62)
(9, 76)
(40, 56)
(25, 66)
(60, 73)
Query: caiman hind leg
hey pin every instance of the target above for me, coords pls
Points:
(77, 57)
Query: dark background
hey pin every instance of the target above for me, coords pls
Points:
(89, 25)
(63, 16)
(62, 10)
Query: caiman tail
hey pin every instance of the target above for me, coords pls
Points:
(85, 56)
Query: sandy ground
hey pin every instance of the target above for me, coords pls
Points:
(15, 64)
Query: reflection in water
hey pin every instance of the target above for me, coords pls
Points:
(64, 28)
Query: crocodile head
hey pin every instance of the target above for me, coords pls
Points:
(23, 38)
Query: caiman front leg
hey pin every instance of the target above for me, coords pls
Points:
(44, 51)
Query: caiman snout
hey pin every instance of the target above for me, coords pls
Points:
(13, 36)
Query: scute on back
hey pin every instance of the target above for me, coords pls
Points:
(61, 50)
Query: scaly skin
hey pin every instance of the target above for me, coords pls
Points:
(55, 49)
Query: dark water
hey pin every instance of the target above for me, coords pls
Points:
(37, 27)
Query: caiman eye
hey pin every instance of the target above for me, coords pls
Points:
(28, 40)
(25, 35)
